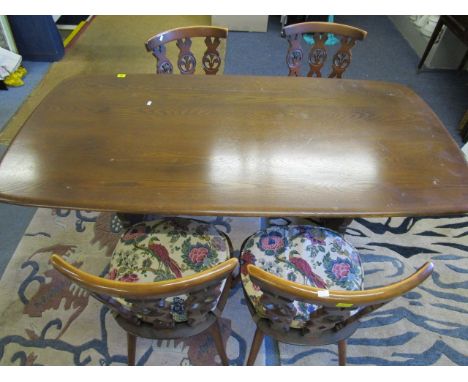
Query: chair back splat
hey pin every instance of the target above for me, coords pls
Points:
(318, 52)
(338, 315)
(167, 279)
(186, 62)
(148, 302)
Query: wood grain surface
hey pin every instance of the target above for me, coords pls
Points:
(235, 145)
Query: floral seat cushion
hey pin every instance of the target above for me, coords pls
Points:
(309, 255)
(165, 249)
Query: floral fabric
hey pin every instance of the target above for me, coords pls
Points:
(166, 249)
(309, 255)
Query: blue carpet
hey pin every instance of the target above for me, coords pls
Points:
(15, 219)
(384, 56)
(12, 99)
(13, 222)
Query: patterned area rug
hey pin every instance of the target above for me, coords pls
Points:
(427, 326)
(44, 320)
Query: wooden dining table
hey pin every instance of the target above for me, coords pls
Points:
(235, 146)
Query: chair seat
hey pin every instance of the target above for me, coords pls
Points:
(166, 249)
(309, 255)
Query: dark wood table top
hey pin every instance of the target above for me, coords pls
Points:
(235, 145)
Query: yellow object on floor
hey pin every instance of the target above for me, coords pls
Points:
(15, 79)
(21, 71)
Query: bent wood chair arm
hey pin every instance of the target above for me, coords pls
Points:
(338, 312)
(295, 291)
(158, 289)
(141, 305)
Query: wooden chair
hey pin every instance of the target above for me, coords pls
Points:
(463, 127)
(318, 51)
(458, 25)
(177, 307)
(186, 62)
(325, 311)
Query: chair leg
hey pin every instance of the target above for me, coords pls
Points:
(463, 61)
(218, 339)
(131, 348)
(337, 224)
(257, 341)
(431, 42)
(236, 280)
(128, 220)
(342, 352)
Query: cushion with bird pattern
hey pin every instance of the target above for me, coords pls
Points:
(165, 249)
(309, 255)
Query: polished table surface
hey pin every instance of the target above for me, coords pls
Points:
(235, 145)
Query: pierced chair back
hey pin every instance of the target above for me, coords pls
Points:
(339, 311)
(147, 312)
(317, 57)
(186, 62)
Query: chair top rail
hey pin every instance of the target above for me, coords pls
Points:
(325, 27)
(296, 291)
(178, 33)
(157, 289)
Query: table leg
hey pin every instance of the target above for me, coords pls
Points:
(337, 224)
(128, 220)
(264, 223)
